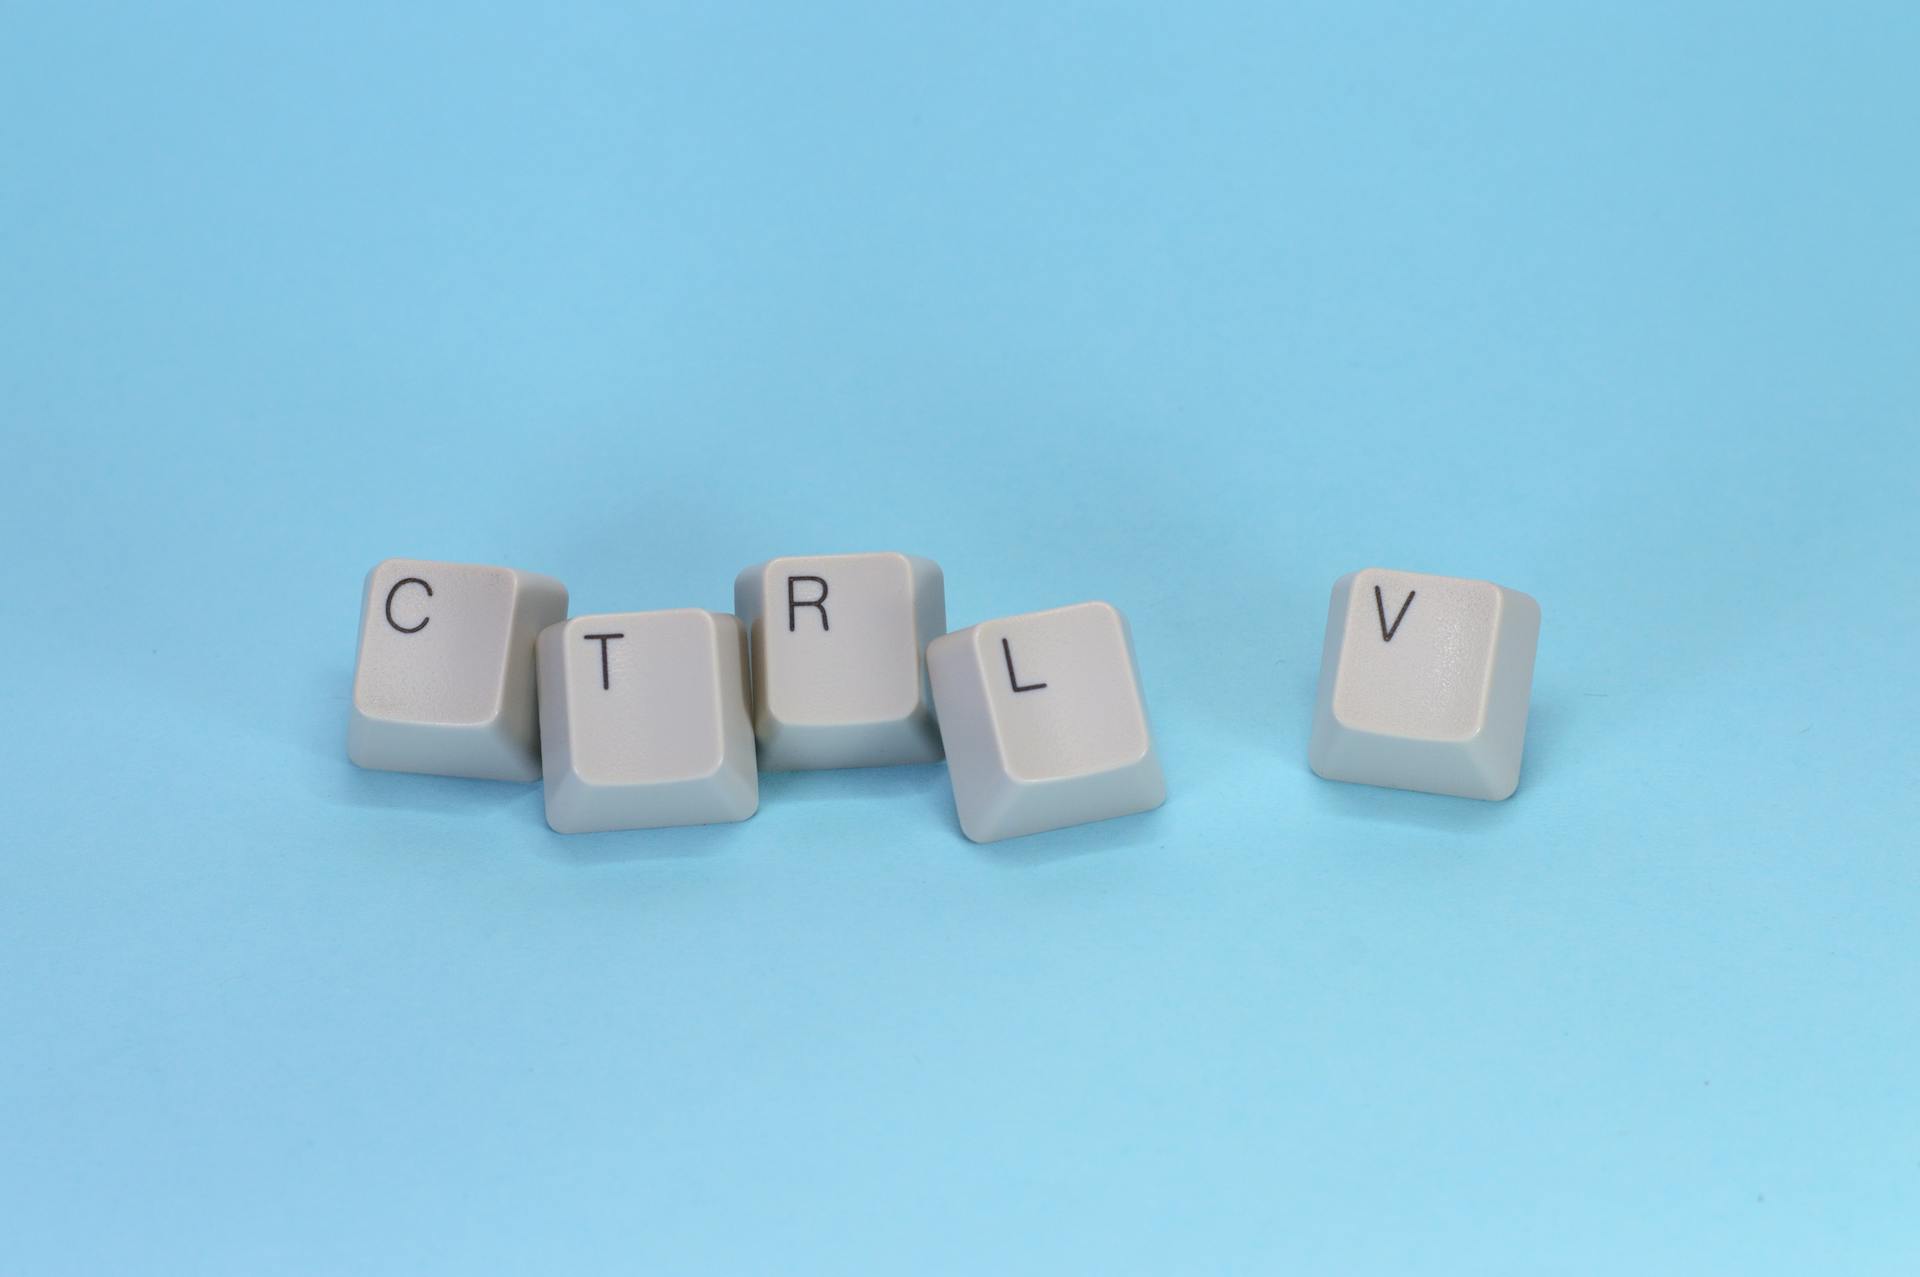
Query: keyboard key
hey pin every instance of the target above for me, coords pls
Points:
(1044, 722)
(839, 669)
(444, 678)
(643, 721)
(1424, 682)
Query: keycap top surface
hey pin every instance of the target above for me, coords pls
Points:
(1417, 654)
(1070, 703)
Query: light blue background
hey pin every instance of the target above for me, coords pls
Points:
(1192, 308)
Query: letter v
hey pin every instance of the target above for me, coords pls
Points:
(1387, 632)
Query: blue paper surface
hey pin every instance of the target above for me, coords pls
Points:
(1190, 308)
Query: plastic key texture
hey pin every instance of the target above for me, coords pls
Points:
(1044, 722)
(1424, 684)
(443, 682)
(839, 668)
(643, 721)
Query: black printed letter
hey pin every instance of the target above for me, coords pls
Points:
(407, 629)
(602, 640)
(1013, 678)
(1386, 633)
(818, 604)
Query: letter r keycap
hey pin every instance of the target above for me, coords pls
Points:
(443, 682)
(839, 669)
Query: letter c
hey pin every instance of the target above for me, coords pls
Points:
(407, 629)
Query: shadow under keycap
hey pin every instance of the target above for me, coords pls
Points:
(1097, 838)
(437, 795)
(783, 789)
(629, 846)
(890, 784)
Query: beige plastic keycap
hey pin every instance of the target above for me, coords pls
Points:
(643, 721)
(443, 682)
(839, 669)
(1424, 684)
(1044, 722)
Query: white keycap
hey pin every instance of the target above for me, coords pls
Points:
(1044, 722)
(839, 668)
(444, 679)
(1424, 682)
(643, 721)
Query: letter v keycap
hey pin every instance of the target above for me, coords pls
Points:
(1424, 684)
